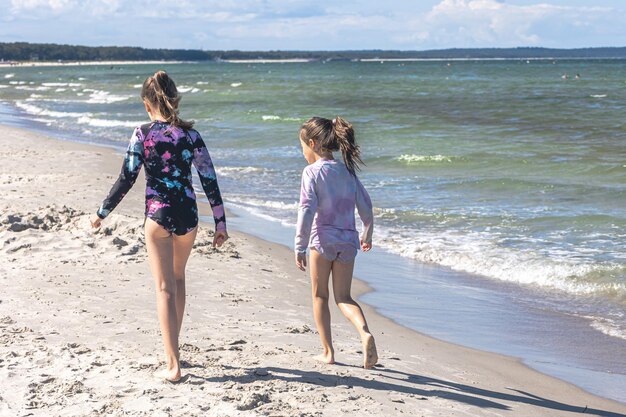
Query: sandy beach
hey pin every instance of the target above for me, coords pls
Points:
(79, 333)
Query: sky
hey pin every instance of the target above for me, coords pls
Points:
(316, 25)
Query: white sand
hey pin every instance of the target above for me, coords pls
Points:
(79, 334)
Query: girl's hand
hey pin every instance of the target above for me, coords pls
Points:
(301, 260)
(366, 246)
(95, 221)
(219, 238)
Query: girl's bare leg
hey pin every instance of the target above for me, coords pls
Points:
(182, 249)
(320, 274)
(160, 246)
(342, 282)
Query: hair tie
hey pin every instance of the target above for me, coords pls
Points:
(334, 121)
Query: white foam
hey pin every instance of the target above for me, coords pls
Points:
(48, 122)
(104, 97)
(412, 159)
(229, 171)
(7, 76)
(32, 109)
(598, 95)
(607, 326)
(187, 89)
(235, 85)
(91, 121)
(202, 82)
(278, 205)
(270, 117)
(477, 253)
(4, 86)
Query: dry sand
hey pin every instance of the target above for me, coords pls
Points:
(79, 333)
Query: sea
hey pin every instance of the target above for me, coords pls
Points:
(499, 186)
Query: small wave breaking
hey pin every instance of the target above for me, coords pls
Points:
(416, 159)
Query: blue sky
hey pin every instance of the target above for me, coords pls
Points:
(316, 25)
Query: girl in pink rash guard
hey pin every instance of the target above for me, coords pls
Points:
(329, 193)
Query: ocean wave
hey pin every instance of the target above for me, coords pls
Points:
(475, 253)
(38, 111)
(270, 117)
(26, 88)
(104, 97)
(4, 86)
(414, 159)
(187, 89)
(61, 84)
(229, 171)
(236, 85)
(608, 326)
(87, 120)
(598, 95)
(9, 75)
(253, 202)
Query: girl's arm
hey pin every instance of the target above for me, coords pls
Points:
(366, 213)
(306, 211)
(208, 179)
(128, 175)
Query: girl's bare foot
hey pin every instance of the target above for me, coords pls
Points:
(326, 357)
(370, 356)
(168, 375)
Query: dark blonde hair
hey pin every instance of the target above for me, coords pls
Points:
(160, 91)
(334, 135)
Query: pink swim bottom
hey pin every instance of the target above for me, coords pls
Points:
(342, 252)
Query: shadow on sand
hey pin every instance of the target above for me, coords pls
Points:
(395, 381)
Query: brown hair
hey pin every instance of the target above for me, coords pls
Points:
(160, 91)
(334, 135)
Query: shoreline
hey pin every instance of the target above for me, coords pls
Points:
(22, 64)
(254, 335)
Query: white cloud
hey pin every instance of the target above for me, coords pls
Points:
(468, 23)
(321, 24)
(54, 5)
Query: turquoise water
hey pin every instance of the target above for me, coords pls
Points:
(502, 170)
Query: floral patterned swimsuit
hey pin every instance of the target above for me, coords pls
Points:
(168, 153)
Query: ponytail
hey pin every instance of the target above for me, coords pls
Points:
(334, 135)
(160, 91)
(343, 135)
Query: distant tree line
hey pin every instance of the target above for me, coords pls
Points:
(22, 51)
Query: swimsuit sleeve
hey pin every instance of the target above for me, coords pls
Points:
(306, 210)
(130, 170)
(366, 213)
(208, 179)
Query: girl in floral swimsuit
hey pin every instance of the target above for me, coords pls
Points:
(167, 147)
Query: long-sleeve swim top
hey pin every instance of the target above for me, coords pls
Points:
(168, 152)
(329, 194)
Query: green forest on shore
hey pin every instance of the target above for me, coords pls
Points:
(22, 51)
